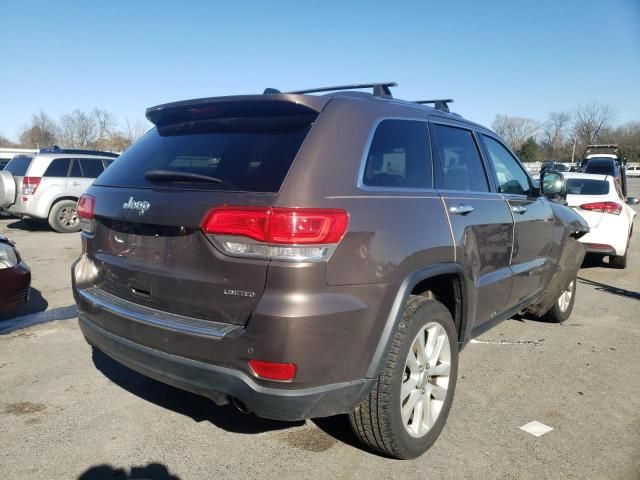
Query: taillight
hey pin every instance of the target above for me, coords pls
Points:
(298, 234)
(603, 207)
(273, 370)
(85, 208)
(30, 185)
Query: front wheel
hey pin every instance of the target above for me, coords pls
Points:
(409, 404)
(63, 217)
(563, 305)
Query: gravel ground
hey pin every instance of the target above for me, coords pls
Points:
(68, 412)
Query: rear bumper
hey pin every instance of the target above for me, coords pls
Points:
(211, 380)
(15, 282)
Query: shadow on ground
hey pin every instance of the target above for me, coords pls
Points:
(30, 225)
(152, 471)
(37, 303)
(196, 407)
(603, 287)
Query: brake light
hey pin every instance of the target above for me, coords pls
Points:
(603, 207)
(273, 370)
(85, 209)
(30, 185)
(299, 234)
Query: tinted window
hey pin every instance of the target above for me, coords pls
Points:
(399, 156)
(511, 177)
(75, 169)
(58, 168)
(459, 163)
(603, 166)
(91, 168)
(584, 186)
(250, 154)
(18, 166)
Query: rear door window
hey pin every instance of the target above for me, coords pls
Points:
(244, 153)
(18, 166)
(399, 156)
(76, 172)
(58, 168)
(459, 165)
(512, 178)
(91, 167)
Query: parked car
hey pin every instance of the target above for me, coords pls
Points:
(49, 184)
(633, 171)
(305, 256)
(604, 151)
(605, 166)
(15, 275)
(599, 200)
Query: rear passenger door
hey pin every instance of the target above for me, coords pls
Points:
(83, 172)
(481, 222)
(534, 222)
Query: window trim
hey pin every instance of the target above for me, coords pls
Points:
(363, 161)
(490, 184)
(534, 192)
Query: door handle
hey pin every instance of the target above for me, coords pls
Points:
(518, 209)
(461, 209)
(75, 184)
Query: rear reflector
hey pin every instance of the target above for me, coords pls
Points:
(604, 207)
(290, 234)
(85, 209)
(273, 370)
(30, 185)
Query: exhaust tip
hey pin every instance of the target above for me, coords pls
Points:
(240, 406)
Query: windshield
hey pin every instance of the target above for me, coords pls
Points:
(18, 166)
(584, 186)
(248, 154)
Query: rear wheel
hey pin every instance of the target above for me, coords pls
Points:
(63, 217)
(409, 404)
(563, 306)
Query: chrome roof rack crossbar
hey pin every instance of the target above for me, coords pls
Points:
(439, 104)
(379, 89)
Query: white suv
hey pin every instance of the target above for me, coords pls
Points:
(49, 184)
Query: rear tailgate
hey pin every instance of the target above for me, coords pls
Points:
(148, 245)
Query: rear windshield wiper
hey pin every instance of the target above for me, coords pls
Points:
(173, 176)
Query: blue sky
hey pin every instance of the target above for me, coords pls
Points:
(523, 58)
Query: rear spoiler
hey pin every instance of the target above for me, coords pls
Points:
(235, 106)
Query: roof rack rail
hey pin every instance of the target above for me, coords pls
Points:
(77, 151)
(379, 89)
(439, 104)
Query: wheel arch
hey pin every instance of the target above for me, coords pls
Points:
(457, 293)
(58, 200)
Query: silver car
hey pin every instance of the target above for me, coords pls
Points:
(48, 185)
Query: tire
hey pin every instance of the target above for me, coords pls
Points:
(377, 421)
(563, 306)
(63, 217)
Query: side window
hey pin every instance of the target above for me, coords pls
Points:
(399, 156)
(459, 165)
(91, 167)
(75, 169)
(58, 168)
(512, 178)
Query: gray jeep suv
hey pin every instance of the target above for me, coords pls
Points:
(310, 255)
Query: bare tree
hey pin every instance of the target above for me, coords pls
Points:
(79, 129)
(591, 120)
(42, 131)
(515, 130)
(106, 122)
(556, 133)
(5, 142)
(134, 130)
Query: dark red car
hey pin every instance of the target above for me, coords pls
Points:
(15, 275)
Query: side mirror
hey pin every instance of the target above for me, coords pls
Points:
(552, 184)
(632, 201)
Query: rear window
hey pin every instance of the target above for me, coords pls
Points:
(18, 166)
(246, 154)
(583, 186)
(604, 166)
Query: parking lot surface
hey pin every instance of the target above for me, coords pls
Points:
(67, 411)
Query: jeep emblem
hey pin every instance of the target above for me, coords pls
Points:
(139, 206)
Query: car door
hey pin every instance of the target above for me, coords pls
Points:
(83, 172)
(481, 222)
(533, 222)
